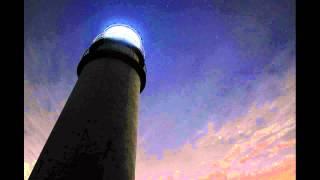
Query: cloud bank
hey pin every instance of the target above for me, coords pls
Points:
(257, 145)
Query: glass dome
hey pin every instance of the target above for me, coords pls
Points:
(123, 33)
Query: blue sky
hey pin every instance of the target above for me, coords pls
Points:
(207, 61)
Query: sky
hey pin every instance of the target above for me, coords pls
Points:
(219, 101)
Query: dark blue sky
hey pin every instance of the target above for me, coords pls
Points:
(206, 60)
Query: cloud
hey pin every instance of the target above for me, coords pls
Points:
(258, 27)
(240, 148)
(45, 93)
(39, 118)
(257, 144)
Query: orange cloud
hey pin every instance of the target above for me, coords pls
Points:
(240, 149)
(256, 152)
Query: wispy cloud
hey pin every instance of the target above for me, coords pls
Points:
(259, 144)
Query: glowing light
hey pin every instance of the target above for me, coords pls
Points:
(123, 33)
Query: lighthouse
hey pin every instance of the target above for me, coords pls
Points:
(95, 135)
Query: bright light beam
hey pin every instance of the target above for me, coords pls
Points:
(123, 33)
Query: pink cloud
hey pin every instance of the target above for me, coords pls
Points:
(239, 149)
(255, 152)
